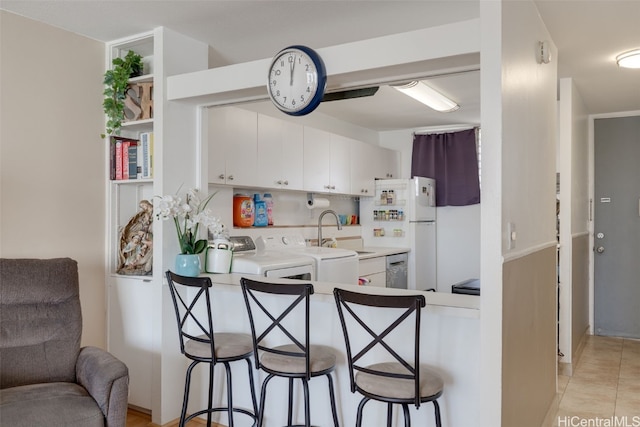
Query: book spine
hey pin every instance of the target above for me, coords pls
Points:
(151, 143)
(112, 159)
(139, 158)
(125, 159)
(118, 160)
(132, 165)
(144, 141)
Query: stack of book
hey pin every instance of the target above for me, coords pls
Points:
(131, 158)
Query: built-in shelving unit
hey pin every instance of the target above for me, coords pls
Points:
(136, 303)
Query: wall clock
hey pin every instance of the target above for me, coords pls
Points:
(297, 80)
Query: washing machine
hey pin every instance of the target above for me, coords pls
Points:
(331, 264)
(247, 259)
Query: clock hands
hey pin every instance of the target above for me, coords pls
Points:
(292, 65)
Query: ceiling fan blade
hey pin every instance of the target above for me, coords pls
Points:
(350, 93)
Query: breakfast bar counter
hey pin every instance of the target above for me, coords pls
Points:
(449, 342)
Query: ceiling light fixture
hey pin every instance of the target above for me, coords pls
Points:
(428, 96)
(630, 59)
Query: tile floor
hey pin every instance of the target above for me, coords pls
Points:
(604, 389)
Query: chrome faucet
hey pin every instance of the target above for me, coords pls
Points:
(328, 211)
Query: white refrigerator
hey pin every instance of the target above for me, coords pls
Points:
(403, 214)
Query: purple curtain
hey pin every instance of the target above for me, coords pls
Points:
(452, 159)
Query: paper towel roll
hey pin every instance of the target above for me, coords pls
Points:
(317, 202)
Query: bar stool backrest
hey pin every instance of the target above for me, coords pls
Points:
(353, 325)
(268, 327)
(192, 304)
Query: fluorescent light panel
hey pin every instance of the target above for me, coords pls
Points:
(428, 96)
(630, 59)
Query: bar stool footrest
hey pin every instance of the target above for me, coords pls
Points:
(225, 410)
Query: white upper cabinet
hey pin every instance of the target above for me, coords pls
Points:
(369, 162)
(280, 158)
(364, 165)
(388, 163)
(326, 162)
(233, 146)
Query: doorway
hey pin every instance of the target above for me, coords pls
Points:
(617, 226)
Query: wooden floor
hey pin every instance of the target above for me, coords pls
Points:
(140, 419)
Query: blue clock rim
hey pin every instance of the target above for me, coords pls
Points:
(322, 80)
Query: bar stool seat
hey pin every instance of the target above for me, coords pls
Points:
(398, 388)
(321, 359)
(227, 346)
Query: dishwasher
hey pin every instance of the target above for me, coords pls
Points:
(397, 271)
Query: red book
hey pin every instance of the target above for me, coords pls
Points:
(118, 159)
(125, 159)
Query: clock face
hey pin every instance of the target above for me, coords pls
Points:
(297, 80)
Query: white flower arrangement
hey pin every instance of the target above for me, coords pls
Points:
(187, 217)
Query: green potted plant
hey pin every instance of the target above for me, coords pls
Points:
(117, 80)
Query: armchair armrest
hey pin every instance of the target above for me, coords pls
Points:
(107, 380)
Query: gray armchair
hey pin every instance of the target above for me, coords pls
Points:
(46, 379)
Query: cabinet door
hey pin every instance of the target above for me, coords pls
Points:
(317, 160)
(364, 165)
(130, 333)
(378, 279)
(241, 147)
(233, 146)
(291, 160)
(217, 145)
(340, 164)
(280, 158)
(389, 161)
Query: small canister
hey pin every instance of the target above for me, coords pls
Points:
(218, 257)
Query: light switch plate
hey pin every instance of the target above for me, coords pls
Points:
(511, 235)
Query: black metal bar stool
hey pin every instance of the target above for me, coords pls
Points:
(297, 359)
(402, 381)
(201, 344)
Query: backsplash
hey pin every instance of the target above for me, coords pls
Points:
(290, 214)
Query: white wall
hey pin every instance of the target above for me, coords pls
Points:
(52, 173)
(518, 180)
(574, 219)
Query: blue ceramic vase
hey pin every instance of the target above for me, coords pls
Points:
(187, 265)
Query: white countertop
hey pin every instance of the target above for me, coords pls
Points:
(375, 252)
(440, 302)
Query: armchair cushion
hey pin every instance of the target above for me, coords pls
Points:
(59, 404)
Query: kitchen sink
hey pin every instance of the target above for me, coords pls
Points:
(363, 252)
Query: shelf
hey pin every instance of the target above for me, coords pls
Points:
(388, 186)
(147, 278)
(142, 79)
(381, 232)
(131, 181)
(401, 202)
(139, 125)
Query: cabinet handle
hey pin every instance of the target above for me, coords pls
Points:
(279, 182)
(327, 187)
(221, 176)
(333, 187)
(286, 182)
(230, 178)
